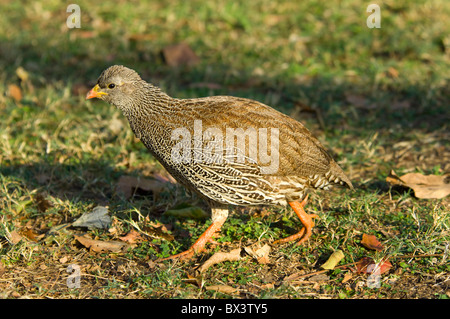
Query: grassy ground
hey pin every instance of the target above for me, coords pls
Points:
(377, 98)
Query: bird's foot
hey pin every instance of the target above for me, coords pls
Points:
(201, 242)
(188, 254)
(306, 219)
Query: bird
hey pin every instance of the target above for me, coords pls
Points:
(230, 151)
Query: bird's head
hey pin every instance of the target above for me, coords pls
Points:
(117, 85)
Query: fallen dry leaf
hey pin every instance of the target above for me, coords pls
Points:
(97, 218)
(269, 285)
(319, 278)
(129, 185)
(367, 265)
(179, 54)
(100, 246)
(42, 202)
(347, 277)
(132, 237)
(14, 237)
(361, 265)
(32, 235)
(424, 186)
(15, 92)
(64, 259)
(385, 266)
(261, 254)
(392, 72)
(219, 257)
(371, 242)
(359, 101)
(333, 260)
(223, 289)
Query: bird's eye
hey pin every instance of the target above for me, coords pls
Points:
(111, 86)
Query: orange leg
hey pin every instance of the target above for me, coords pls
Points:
(307, 221)
(206, 237)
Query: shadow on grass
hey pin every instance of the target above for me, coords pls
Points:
(426, 109)
(90, 181)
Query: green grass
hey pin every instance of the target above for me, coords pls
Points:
(309, 59)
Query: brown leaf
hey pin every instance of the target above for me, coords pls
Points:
(179, 54)
(132, 237)
(129, 185)
(392, 72)
(99, 246)
(64, 259)
(367, 265)
(261, 254)
(15, 92)
(32, 235)
(225, 289)
(15, 237)
(347, 277)
(42, 202)
(319, 278)
(371, 242)
(219, 257)
(269, 285)
(424, 186)
(361, 265)
(359, 101)
(385, 266)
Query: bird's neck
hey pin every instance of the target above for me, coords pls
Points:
(149, 102)
(148, 109)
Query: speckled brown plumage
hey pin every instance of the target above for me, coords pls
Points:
(154, 116)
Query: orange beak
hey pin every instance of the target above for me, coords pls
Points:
(95, 92)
